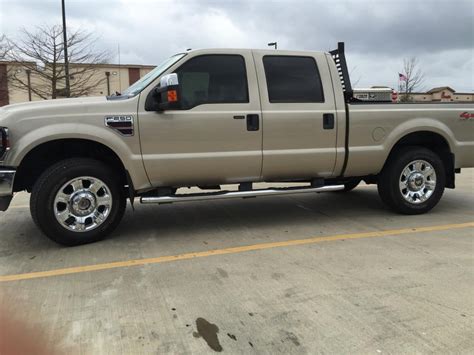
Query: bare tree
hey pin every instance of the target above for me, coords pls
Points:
(4, 47)
(41, 55)
(412, 78)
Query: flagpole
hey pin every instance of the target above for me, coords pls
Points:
(399, 87)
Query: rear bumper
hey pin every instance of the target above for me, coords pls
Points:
(7, 177)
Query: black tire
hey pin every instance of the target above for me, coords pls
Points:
(49, 184)
(389, 178)
(351, 185)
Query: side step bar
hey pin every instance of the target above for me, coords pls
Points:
(221, 195)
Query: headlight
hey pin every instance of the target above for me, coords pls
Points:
(4, 142)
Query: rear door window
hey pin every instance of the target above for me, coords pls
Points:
(292, 79)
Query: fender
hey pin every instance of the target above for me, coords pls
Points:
(418, 125)
(129, 154)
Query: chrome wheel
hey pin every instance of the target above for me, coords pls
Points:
(417, 181)
(82, 204)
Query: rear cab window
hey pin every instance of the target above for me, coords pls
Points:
(292, 79)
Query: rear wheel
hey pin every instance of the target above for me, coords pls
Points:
(413, 180)
(77, 201)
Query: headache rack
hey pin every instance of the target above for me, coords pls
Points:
(341, 64)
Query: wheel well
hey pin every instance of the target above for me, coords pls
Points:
(434, 142)
(47, 154)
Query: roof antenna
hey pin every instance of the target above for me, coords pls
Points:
(273, 44)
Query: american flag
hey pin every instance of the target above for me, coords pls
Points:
(402, 77)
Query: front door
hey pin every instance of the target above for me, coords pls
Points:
(216, 137)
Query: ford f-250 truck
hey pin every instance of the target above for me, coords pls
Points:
(225, 116)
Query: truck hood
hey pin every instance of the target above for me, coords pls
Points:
(60, 109)
(34, 106)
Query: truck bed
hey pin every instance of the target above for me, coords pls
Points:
(374, 128)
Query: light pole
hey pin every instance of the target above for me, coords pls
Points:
(28, 78)
(273, 44)
(107, 74)
(66, 60)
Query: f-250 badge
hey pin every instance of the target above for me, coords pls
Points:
(121, 124)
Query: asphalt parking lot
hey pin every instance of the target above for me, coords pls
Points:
(327, 273)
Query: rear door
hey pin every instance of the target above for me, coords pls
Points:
(216, 138)
(299, 115)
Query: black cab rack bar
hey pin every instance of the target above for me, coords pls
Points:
(341, 64)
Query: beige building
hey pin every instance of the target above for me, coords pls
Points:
(442, 94)
(112, 77)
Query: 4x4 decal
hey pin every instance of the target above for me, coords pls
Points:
(466, 115)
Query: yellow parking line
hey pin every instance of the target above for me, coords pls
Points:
(233, 250)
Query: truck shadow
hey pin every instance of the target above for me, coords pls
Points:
(301, 215)
(189, 220)
(256, 215)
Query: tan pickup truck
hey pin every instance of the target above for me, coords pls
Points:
(213, 117)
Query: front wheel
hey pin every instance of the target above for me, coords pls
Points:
(413, 180)
(77, 201)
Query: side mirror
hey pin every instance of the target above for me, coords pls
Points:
(166, 96)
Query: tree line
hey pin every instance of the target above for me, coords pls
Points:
(40, 54)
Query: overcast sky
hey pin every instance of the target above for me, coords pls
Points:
(378, 33)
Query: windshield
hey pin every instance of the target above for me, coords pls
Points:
(149, 77)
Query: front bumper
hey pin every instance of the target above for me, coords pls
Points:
(7, 177)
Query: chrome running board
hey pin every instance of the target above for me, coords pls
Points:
(221, 195)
